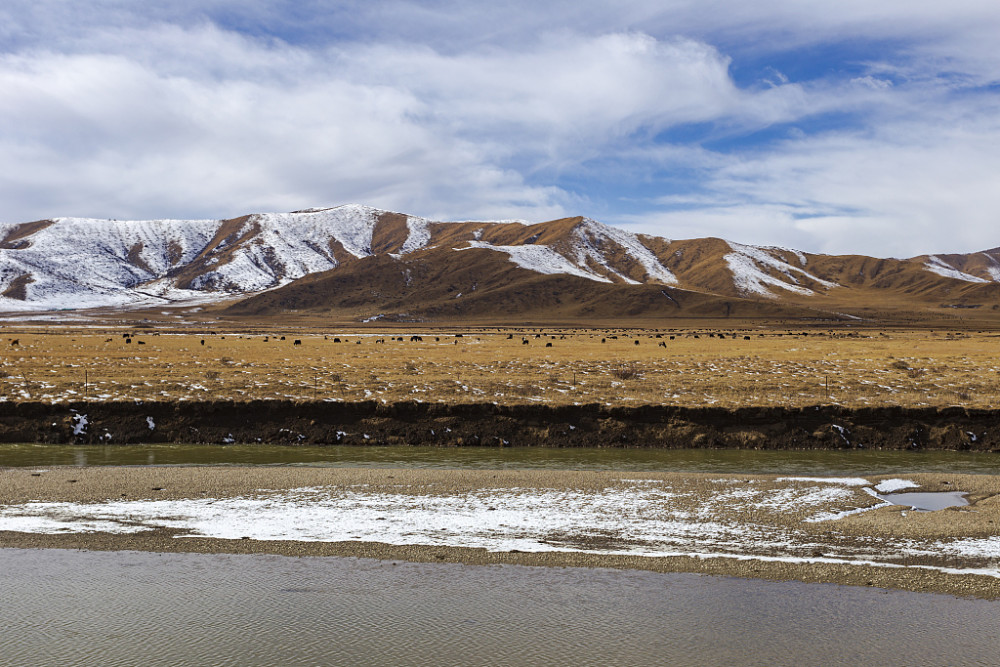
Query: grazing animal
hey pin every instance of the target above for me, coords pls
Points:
(141, 342)
(636, 342)
(548, 345)
(662, 344)
(746, 338)
(524, 341)
(336, 340)
(416, 339)
(297, 342)
(202, 341)
(15, 341)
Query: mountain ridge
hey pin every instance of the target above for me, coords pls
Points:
(365, 262)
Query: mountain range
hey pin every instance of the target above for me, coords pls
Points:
(356, 263)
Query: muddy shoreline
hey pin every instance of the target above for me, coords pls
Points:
(852, 534)
(486, 424)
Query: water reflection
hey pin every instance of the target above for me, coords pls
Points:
(126, 608)
(818, 462)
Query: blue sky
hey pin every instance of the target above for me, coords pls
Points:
(862, 127)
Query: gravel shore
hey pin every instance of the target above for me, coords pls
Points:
(850, 537)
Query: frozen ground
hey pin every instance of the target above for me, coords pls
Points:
(787, 519)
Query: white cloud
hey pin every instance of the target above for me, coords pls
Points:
(459, 110)
(170, 122)
(261, 128)
(903, 190)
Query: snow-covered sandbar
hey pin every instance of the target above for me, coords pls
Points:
(810, 528)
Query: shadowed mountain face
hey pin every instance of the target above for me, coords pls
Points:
(358, 262)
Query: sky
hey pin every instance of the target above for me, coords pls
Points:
(835, 127)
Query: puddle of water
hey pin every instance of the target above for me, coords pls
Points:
(927, 502)
(127, 608)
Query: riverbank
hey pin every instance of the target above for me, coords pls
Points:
(487, 424)
(764, 526)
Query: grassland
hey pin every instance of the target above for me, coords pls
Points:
(694, 367)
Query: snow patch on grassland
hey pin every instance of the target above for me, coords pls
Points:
(849, 481)
(890, 485)
(748, 263)
(987, 547)
(940, 267)
(539, 258)
(642, 518)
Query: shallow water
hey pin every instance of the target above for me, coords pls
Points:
(128, 608)
(813, 462)
(927, 502)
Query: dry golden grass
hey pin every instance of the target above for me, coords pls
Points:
(695, 368)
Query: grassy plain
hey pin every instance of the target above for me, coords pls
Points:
(694, 366)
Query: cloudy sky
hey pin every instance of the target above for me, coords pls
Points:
(849, 126)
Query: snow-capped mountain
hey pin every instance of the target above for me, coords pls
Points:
(83, 263)
(362, 260)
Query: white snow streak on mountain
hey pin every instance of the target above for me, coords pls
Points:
(747, 264)
(592, 237)
(539, 258)
(938, 266)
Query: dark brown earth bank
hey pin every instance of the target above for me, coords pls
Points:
(486, 424)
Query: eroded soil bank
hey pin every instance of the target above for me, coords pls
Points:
(486, 424)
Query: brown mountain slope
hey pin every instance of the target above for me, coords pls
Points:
(481, 284)
(483, 271)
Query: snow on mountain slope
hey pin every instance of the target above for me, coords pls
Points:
(419, 234)
(539, 258)
(937, 265)
(591, 250)
(592, 239)
(287, 246)
(79, 262)
(85, 263)
(754, 269)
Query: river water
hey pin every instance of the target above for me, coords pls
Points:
(815, 462)
(128, 608)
